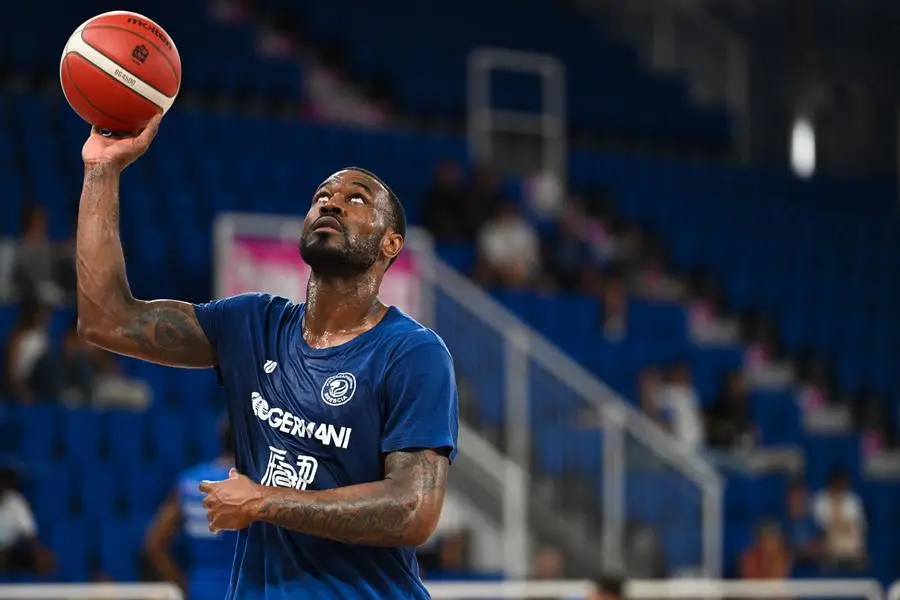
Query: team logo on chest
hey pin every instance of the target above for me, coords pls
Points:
(339, 389)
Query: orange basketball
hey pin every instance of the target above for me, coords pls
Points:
(118, 70)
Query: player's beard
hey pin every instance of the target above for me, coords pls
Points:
(343, 257)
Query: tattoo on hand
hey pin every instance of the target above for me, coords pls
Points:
(401, 510)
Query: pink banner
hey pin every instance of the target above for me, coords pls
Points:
(274, 266)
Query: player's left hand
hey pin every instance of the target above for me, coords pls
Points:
(228, 502)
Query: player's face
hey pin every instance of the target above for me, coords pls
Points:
(345, 225)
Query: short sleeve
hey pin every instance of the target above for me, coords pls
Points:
(21, 518)
(221, 319)
(226, 323)
(422, 402)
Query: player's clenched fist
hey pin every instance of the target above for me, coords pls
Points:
(228, 502)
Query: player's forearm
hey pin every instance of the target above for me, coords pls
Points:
(162, 331)
(103, 291)
(382, 513)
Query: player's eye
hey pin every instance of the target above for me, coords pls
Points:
(358, 199)
(320, 197)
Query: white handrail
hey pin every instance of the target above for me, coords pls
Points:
(710, 589)
(93, 591)
(580, 380)
(614, 408)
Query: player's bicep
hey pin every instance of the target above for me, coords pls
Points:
(421, 476)
(161, 331)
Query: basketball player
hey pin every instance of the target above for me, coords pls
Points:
(343, 410)
(209, 554)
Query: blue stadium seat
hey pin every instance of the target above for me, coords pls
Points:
(81, 436)
(97, 491)
(119, 541)
(168, 434)
(71, 541)
(124, 438)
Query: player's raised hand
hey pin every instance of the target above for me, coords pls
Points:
(228, 502)
(118, 151)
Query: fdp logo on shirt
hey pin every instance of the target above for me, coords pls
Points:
(339, 389)
(281, 472)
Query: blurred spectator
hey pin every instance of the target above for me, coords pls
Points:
(548, 563)
(839, 512)
(453, 555)
(679, 400)
(614, 297)
(509, 249)
(649, 391)
(30, 369)
(629, 246)
(759, 342)
(77, 368)
(112, 388)
(20, 548)
(729, 422)
(767, 557)
(444, 208)
(566, 252)
(37, 260)
(804, 536)
(607, 588)
(872, 421)
(815, 389)
(654, 277)
(483, 197)
(209, 554)
(706, 309)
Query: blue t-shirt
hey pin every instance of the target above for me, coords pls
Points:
(802, 531)
(316, 419)
(209, 554)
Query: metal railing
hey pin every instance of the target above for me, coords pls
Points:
(544, 445)
(487, 124)
(588, 455)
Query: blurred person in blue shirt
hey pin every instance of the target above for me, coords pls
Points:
(209, 555)
(804, 536)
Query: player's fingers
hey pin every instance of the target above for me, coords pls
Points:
(207, 502)
(205, 486)
(150, 130)
(233, 473)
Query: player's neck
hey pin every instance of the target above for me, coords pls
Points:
(339, 309)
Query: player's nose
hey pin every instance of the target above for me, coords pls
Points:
(331, 208)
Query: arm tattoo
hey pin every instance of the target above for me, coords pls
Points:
(168, 330)
(163, 331)
(401, 510)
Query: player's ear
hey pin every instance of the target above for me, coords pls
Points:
(391, 244)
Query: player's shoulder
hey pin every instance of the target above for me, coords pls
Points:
(251, 301)
(405, 334)
(249, 306)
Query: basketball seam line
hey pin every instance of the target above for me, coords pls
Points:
(85, 97)
(143, 89)
(149, 42)
(120, 82)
